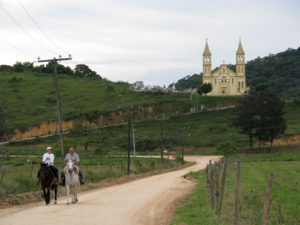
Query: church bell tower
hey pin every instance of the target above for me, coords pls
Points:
(240, 60)
(240, 69)
(206, 61)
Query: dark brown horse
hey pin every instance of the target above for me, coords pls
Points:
(47, 178)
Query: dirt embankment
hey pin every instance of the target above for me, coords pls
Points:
(51, 127)
(112, 118)
(288, 139)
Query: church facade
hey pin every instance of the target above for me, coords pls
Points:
(224, 81)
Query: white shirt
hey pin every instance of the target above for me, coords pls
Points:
(48, 158)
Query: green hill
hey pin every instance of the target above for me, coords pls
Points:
(29, 98)
(281, 71)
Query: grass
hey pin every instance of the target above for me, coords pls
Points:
(255, 170)
(18, 178)
(30, 98)
(200, 130)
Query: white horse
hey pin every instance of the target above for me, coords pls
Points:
(71, 172)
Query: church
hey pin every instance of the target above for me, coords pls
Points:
(224, 81)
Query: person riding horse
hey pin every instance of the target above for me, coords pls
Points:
(75, 158)
(48, 159)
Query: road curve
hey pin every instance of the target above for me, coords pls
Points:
(146, 201)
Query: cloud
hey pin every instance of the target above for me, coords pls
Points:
(149, 39)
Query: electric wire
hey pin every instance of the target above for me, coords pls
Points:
(39, 27)
(19, 49)
(28, 34)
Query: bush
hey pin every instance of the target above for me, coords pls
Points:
(226, 149)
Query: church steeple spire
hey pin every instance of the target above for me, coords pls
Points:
(240, 50)
(206, 51)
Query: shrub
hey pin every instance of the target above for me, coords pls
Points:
(226, 149)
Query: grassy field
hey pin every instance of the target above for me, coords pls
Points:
(255, 169)
(20, 175)
(200, 130)
(195, 130)
(29, 98)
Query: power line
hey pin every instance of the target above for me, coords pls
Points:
(39, 27)
(29, 35)
(19, 49)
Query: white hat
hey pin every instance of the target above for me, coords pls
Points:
(49, 148)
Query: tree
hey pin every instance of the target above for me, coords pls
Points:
(262, 87)
(271, 122)
(260, 115)
(18, 67)
(226, 149)
(205, 88)
(82, 70)
(2, 124)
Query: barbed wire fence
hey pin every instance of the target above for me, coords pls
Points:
(215, 181)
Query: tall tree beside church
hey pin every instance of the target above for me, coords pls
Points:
(271, 111)
(246, 119)
(260, 115)
(205, 88)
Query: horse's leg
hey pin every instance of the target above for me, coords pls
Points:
(45, 196)
(48, 195)
(76, 199)
(68, 194)
(73, 194)
(55, 194)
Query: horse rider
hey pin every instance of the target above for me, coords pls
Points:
(75, 158)
(48, 159)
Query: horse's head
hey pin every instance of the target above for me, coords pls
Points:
(70, 166)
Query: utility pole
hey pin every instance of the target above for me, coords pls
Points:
(197, 102)
(54, 61)
(162, 127)
(129, 140)
(133, 140)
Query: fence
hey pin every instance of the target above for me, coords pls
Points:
(216, 179)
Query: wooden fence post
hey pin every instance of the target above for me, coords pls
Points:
(280, 219)
(268, 200)
(222, 188)
(212, 188)
(31, 173)
(207, 175)
(2, 175)
(237, 215)
(216, 186)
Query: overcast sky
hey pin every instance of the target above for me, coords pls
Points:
(155, 41)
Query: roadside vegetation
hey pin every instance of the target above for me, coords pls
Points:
(255, 169)
(18, 171)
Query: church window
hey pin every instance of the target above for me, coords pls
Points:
(239, 84)
(215, 80)
(232, 80)
(242, 84)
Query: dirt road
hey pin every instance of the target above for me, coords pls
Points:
(141, 202)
